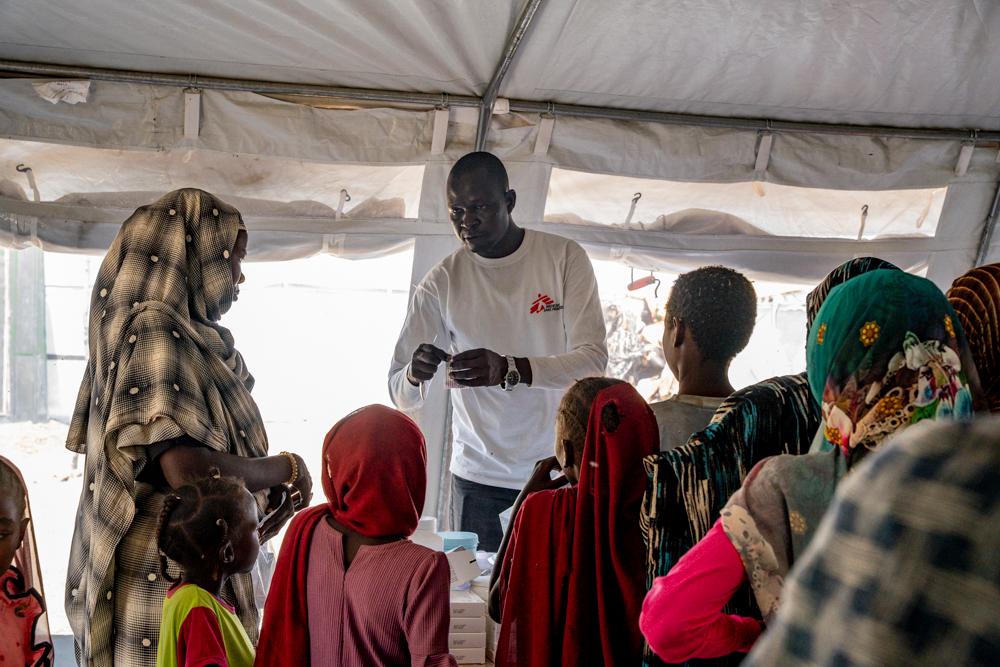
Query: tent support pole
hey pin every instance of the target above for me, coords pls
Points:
(493, 88)
(988, 229)
(47, 71)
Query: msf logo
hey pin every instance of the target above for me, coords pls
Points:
(544, 304)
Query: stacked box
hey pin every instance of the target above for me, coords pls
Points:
(467, 634)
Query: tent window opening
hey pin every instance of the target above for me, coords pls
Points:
(256, 185)
(635, 323)
(316, 333)
(731, 209)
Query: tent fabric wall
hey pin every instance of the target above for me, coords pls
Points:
(137, 118)
(918, 63)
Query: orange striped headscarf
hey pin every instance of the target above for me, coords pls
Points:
(975, 296)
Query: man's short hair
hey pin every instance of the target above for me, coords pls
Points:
(718, 306)
(482, 161)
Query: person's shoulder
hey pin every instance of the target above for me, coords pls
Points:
(419, 559)
(448, 266)
(554, 242)
(663, 408)
(185, 597)
(548, 500)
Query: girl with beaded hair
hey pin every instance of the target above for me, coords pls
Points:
(209, 528)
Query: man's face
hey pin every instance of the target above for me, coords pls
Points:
(479, 210)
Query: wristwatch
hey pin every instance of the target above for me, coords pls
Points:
(512, 378)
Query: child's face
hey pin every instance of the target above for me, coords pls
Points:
(12, 526)
(246, 540)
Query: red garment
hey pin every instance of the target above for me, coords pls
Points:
(389, 608)
(534, 579)
(682, 616)
(598, 566)
(375, 472)
(201, 636)
(20, 611)
(374, 477)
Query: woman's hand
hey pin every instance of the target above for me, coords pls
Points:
(541, 477)
(304, 483)
(275, 518)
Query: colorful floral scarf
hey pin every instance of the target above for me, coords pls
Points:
(885, 352)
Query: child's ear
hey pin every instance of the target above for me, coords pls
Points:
(226, 553)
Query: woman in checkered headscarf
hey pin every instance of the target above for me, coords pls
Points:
(165, 397)
(975, 297)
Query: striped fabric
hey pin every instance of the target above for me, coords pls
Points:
(903, 569)
(160, 367)
(975, 296)
(840, 275)
(688, 487)
(389, 608)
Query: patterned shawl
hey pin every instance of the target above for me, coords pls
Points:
(840, 275)
(688, 486)
(975, 297)
(21, 586)
(160, 367)
(903, 569)
(885, 352)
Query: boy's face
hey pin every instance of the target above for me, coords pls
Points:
(12, 527)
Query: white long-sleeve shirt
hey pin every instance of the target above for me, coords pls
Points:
(540, 302)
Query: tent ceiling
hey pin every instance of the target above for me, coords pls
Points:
(919, 63)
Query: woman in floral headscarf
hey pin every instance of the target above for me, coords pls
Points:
(885, 351)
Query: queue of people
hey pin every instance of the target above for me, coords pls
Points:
(876, 548)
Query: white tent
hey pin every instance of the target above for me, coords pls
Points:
(810, 131)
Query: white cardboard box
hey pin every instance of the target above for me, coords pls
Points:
(469, 656)
(466, 604)
(467, 640)
(468, 625)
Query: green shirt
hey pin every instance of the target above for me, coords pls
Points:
(197, 606)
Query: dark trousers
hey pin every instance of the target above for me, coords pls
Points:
(476, 508)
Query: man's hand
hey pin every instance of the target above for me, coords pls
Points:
(423, 365)
(541, 476)
(478, 368)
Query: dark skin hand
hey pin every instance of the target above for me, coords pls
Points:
(472, 368)
(540, 480)
(424, 363)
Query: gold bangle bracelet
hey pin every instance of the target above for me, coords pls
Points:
(293, 462)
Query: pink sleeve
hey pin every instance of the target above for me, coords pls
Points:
(200, 642)
(427, 620)
(682, 615)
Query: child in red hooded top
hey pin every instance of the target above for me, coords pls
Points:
(349, 589)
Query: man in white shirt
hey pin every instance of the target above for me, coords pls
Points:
(516, 315)
(711, 313)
